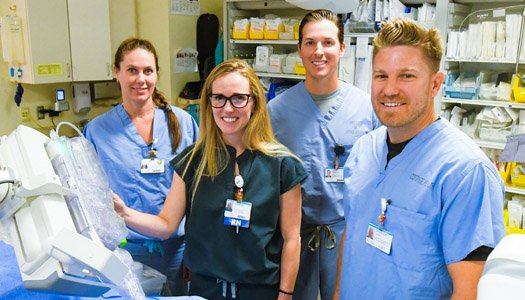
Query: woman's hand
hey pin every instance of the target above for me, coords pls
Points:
(119, 205)
(166, 222)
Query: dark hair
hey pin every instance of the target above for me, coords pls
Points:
(319, 15)
(158, 98)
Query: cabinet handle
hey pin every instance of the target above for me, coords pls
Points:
(68, 70)
(108, 67)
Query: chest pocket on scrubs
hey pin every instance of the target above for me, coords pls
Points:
(418, 261)
(412, 247)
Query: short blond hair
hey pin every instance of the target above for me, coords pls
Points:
(405, 32)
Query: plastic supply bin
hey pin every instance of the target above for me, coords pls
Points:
(452, 91)
(272, 28)
(518, 88)
(299, 69)
(240, 29)
(256, 29)
(517, 174)
(504, 171)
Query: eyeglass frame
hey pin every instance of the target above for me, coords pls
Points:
(230, 100)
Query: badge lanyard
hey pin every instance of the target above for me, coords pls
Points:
(153, 151)
(384, 204)
(338, 150)
(377, 236)
(239, 192)
(152, 164)
(237, 211)
(335, 174)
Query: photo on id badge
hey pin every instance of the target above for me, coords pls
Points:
(334, 175)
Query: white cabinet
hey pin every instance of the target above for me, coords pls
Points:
(64, 40)
(90, 41)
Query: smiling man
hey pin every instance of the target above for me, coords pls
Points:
(423, 203)
(320, 119)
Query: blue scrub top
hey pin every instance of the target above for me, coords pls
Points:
(446, 201)
(300, 126)
(121, 149)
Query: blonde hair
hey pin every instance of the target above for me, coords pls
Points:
(405, 32)
(258, 134)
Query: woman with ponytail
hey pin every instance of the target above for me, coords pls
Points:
(135, 141)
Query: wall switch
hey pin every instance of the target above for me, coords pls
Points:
(24, 114)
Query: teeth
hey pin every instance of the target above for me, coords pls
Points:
(392, 104)
(318, 63)
(229, 119)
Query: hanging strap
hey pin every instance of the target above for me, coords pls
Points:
(233, 288)
(314, 241)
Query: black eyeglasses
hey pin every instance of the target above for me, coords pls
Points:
(237, 100)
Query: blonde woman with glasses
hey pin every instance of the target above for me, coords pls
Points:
(240, 191)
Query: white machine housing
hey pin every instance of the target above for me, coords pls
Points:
(504, 272)
(51, 253)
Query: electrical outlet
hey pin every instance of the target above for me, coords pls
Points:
(24, 114)
(40, 114)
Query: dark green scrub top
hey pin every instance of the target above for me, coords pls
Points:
(213, 249)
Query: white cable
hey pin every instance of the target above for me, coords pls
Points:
(70, 125)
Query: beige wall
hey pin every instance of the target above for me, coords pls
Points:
(152, 24)
(169, 33)
(184, 34)
(152, 21)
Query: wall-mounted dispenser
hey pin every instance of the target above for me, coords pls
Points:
(81, 98)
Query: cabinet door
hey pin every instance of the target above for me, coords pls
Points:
(90, 39)
(46, 41)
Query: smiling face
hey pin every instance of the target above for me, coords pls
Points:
(137, 76)
(320, 50)
(232, 121)
(403, 91)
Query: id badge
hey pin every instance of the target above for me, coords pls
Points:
(334, 175)
(151, 166)
(237, 213)
(379, 238)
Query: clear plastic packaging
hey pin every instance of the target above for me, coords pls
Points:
(90, 198)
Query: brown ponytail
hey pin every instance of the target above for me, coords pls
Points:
(173, 122)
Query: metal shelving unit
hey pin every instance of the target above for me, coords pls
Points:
(515, 190)
(264, 42)
(280, 75)
(482, 102)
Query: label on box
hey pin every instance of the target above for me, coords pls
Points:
(275, 60)
(240, 25)
(273, 25)
(256, 25)
(498, 13)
